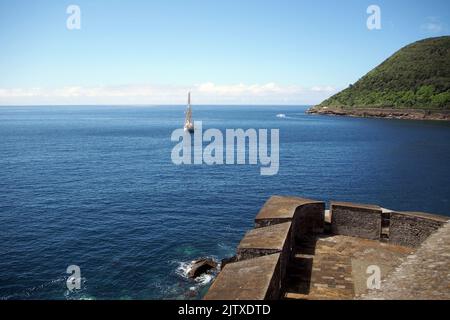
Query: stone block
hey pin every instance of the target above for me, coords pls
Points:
(268, 240)
(252, 279)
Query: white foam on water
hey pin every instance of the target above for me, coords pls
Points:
(202, 280)
(293, 116)
(184, 268)
(30, 292)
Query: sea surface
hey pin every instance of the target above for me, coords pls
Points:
(95, 187)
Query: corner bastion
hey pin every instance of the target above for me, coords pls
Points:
(299, 250)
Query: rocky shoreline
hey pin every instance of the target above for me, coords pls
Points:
(404, 114)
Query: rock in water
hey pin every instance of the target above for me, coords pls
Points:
(225, 261)
(200, 267)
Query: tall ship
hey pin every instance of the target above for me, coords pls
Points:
(188, 123)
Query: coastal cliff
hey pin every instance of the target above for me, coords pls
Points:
(414, 83)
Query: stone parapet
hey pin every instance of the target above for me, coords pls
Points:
(356, 220)
(268, 240)
(307, 216)
(412, 228)
(253, 279)
(284, 229)
(280, 209)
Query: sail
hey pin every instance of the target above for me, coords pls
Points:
(188, 116)
(189, 111)
(188, 125)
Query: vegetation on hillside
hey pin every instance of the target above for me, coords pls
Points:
(417, 76)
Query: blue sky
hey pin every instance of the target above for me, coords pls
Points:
(246, 51)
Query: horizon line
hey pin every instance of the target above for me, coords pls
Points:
(156, 105)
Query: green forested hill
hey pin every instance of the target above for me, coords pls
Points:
(416, 77)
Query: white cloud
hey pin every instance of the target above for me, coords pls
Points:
(433, 25)
(204, 93)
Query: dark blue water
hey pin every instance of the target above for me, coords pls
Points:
(95, 187)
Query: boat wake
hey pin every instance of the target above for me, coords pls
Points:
(292, 116)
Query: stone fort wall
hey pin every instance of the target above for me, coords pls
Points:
(258, 271)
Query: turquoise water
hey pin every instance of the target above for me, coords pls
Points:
(96, 187)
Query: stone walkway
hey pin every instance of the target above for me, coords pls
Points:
(335, 267)
(425, 275)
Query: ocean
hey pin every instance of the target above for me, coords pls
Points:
(95, 186)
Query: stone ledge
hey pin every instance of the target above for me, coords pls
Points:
(358, 206)
(253, 279)
(280, 209)
(267, 238)
(424, 215)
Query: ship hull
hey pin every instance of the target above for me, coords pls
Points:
(189, 129)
